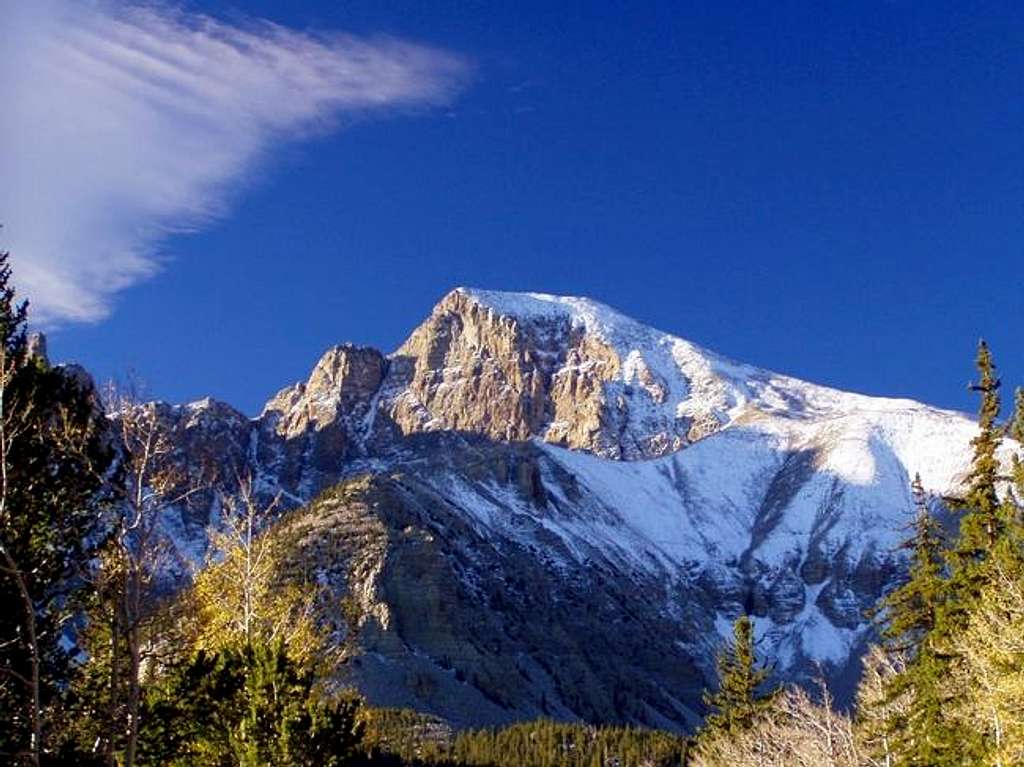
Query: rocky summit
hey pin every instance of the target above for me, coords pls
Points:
(544, 508)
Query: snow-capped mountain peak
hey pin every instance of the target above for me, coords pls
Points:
(524, 444)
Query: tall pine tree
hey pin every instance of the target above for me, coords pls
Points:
(910, 709)
(741, 695)
(982, 515)
(937, 736)
(1016, 433)
(1016, 428)
(980, 518)
(1007, 555)
(928, 614)
(248, 706)
(910, 610)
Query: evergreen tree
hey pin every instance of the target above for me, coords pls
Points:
(740, 696)
(910, 709)
(982, 515)
(1016, 426)
(980, 519)
(189, 715)
(249, 707)
(55, 471)
(933, 735)
(1016, 433)
(910, 610)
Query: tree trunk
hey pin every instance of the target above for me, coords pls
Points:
(35, 705)
(134, 648)
(115, 664)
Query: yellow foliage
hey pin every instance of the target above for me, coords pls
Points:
(248, 593)
(991, 670)
(880, 711)
(793, 732)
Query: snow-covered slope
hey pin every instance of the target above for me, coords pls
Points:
(694, 379)
(581, 477)
(801, 492)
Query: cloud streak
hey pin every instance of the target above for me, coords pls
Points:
(124, 123)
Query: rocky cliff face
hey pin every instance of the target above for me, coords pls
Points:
(548, 508)
(548, 369)
(310, 430)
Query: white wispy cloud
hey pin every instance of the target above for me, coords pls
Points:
(121, 123)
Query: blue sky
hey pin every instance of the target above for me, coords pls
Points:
(832, 190)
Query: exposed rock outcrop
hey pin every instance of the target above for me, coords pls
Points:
(481, 367)
(309, 430)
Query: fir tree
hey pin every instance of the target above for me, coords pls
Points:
(1008, 554)
(1016, 426)
(982, 516)
(1016, 433)
(251, 707)
(740, 696)
(933, 735)
(910, 610)
(980, 520)
(910, 613)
